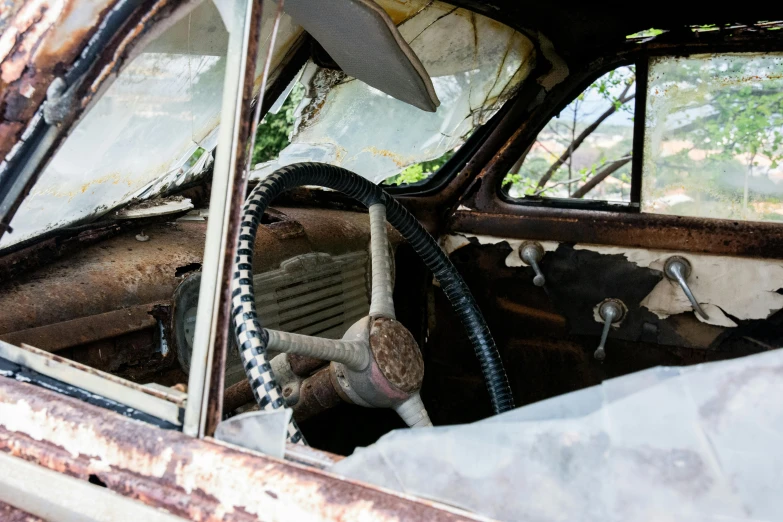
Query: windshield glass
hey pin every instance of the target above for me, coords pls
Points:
(154, 130)
(150, 133)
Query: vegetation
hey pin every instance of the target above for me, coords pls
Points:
(275, 129)
(584, 146)
(721, 137)
(715, 133)
(714, 141)
(420, 171)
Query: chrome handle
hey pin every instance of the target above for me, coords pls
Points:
(531, 254)
(679, 269)
(611, 311)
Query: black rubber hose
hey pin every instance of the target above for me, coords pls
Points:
(436, 260)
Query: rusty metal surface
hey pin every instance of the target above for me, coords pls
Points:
(43, 38)
(316, 394)
(397, 354)
(243, 133)
(691, 234)
(9, 513)
(135, 356)
(47, 249)
(158, 402)
(197, 479)
(121, 272)
(237, 395)
(303, 365)
(59, 336)
(58, 361)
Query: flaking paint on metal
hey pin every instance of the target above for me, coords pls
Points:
(44, 37)
(202, 480)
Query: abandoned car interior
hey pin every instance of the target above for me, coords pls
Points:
(390, 260)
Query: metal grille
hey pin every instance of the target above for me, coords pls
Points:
(312, 294)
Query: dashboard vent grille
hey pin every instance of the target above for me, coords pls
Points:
(312, 294)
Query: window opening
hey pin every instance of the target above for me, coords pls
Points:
(584, 152)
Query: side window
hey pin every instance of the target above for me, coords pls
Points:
(585, 151)
(714, 137)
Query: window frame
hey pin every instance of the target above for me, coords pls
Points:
(639, 54)
(641, 63)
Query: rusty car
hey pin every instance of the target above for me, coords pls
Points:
(390, 260)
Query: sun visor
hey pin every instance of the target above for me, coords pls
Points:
(365, 43)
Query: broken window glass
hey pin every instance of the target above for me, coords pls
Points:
(152, 131)
(714, 137)
(475, 63)
(585, 151)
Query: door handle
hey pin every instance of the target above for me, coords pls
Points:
(532, 253)
(611, 312)
(678, 269)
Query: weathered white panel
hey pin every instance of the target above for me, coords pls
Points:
(744, 288)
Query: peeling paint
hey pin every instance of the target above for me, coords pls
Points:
(743, 288)
(193, 478)
(559, 70)
(453, 242)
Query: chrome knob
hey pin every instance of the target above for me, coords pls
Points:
(679, 269)
(611, 312)
(532, 253)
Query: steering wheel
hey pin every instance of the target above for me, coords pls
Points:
(377, 363)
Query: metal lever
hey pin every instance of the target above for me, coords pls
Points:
(531, 254)
(679, 269)
(611, 311)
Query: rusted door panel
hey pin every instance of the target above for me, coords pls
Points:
(192, 478)
(547, 335)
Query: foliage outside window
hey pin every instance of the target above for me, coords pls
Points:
(584, 152)
(275, 130)
(714, 137)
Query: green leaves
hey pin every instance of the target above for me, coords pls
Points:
(419, 172)
(574, 145)
(275, 129)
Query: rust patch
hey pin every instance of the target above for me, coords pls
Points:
(316, 395)
(692, 234)
(397, 354)
(237, 395)
(302, 365)
(43, 40)
(197, 479)
(56, 337)
(120, 272)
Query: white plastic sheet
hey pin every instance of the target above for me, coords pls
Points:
(475, 63)
(695, 443)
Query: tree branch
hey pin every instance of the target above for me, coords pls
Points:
(550, 187)
(601, 175)
(622, 99)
